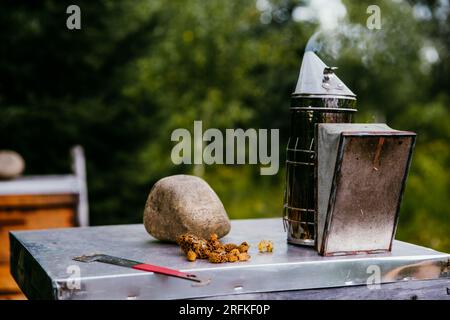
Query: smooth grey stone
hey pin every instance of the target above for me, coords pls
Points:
(183, 203)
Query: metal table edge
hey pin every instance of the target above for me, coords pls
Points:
(22, 259)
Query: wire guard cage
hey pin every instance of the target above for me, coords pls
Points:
(298, 210)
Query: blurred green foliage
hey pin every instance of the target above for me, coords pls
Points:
(139, 69)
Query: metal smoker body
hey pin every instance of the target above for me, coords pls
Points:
(319, 97)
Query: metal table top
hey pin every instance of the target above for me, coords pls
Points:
(41, 263)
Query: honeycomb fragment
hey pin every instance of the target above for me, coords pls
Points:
(230, 246)
(243, 247)
(191, 242)
(217, 257)
(214, 237)
(195, 247)
(191, 256)
(234, 252)
(243, 256)
(265, 246)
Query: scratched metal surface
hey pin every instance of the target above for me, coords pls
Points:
(42, 261)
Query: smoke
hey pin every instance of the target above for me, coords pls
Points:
(327, 13)
(314, 44)
(336, 36)
(353, 39)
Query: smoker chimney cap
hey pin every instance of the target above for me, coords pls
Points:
(317, 80)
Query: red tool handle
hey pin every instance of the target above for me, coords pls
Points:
(166, 271)
(158, 269)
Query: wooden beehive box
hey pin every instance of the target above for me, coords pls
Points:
(39, 202)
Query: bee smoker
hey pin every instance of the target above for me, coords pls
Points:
(319, 97)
